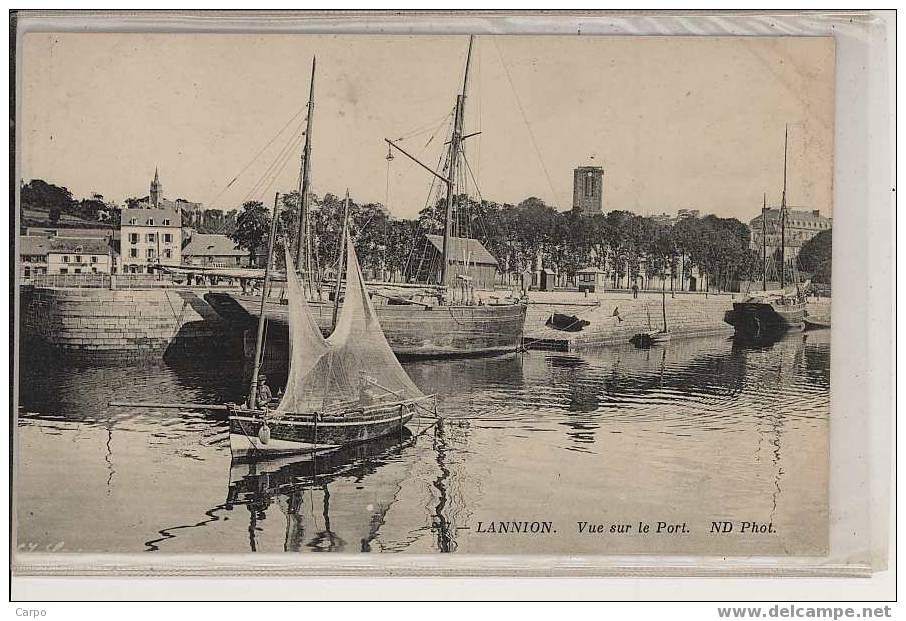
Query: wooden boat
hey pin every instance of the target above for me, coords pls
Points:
(341, 390)
(817, 323)
(650, 338)
(443, 328)
(412, 330)
(768, 313)
(643, 340)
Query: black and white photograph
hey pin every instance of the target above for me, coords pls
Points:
(427, 294)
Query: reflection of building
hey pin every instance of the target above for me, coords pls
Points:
(64, 255)
(149, 237)
(801, 226)
(588, 190)
(214, 251)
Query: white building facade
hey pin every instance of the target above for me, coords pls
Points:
(149, 238)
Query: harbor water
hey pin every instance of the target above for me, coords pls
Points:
(693, 433)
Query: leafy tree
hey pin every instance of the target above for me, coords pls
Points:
(38, 194)
(815, 256)
(252, 229)
(135, 202)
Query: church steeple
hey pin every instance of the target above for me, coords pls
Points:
(156, 189)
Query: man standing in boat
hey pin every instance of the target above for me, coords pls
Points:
(264, 394)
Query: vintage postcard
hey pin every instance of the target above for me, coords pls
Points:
(468, 295)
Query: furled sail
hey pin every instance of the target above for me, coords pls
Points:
(355, 365)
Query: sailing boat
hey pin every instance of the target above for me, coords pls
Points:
(771, 313)
(433, 327)
(343, 389)
(654, 337)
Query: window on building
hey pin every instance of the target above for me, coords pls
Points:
(94, 259)
(150, 253)
(589, 184)
(168, 237)
(168, 253)
(77, 271)
(65, 258)
(166, 222)
(64, 270)
(151, 237)
(132, 221)
(27, 272)
(133, 252)
(133, 238)
(78, 258)
(150, 221)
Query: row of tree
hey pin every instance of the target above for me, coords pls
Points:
(623, 244)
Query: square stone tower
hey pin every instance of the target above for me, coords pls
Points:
(588, 190)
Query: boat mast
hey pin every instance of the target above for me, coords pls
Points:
(259, 342)
(341, 251)
(783, 215)
(764, 242)
(455, 150)
(303, 241)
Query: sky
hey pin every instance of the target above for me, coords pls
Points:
(693, 122)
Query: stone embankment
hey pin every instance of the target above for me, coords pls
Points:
(615, 317)
(98, 324)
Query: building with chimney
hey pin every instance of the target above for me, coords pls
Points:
(801, 226)
(588, 190)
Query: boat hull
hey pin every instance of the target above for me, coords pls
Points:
(415, 331)
(758, 319)
(308, 433)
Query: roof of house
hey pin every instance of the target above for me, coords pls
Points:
(464, 249)
(792, 215)
(591, 270)
(39, 245)
(34, 244)
(212, 245)
(49, 231)
(142, 216)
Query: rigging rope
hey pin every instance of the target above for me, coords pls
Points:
(248, 164)
(534, 141)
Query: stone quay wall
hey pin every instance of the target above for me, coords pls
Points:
(97, 324)
(688, 315)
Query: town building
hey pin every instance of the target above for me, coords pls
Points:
(148, 238)
(39, 255)
(592, 279)
(801, 226)
(467, 257)
(211, 250)
(588, 190)
(33, 255)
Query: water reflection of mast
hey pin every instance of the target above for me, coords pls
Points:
(445, 540)
(326, 540)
